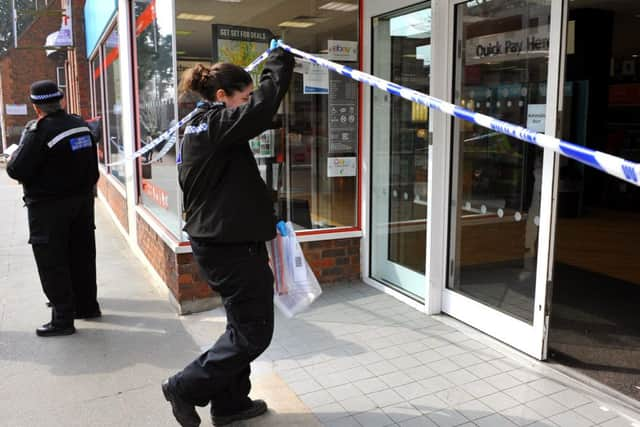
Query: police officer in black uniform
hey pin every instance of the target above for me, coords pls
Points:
(229, 216)
(57, 164)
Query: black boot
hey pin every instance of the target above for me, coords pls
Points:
(55, 330)
(257, 408)
(184, 412)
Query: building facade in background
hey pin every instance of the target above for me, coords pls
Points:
(58, 24)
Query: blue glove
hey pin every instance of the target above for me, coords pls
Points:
(274, 44)
(282, 228)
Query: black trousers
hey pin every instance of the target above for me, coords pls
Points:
(62, 236)
(240, 273)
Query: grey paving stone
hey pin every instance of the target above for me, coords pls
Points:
(454, 396)
(396, 379)
(343, 422)
(523, 393)
(447, 418)
(479, 388)
(619, 422)
(375, 418)
(499, 401)
(381, 368)
(330, 412)
(571, 419)
(428, 404)
(422, 421)
(546, 407)
(444, 366)
(371, 385)
(473, 409)
(547, 386)
(401, 412)
(461, 376)
(386, 398)
(305, 386)
(356, 405)
(317, 399)
(522, 415)
(411, 391)
(503, 381)
(596, 413)
(345, 391)
(495, 420)
(421, 372)
(570, 398)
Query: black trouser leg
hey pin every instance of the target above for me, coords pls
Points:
(242, 276)
(49, 237)
(83, 258)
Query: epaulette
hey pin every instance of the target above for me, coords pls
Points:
(31, 125)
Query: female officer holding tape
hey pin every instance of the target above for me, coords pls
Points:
(229, 216)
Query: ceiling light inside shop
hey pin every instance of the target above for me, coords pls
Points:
(183, 33)
(339, 6)
(195, 17)
(230, 1)
(296, 24)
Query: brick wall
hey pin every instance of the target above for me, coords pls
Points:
(178, 271)
(114, 198)
(21, 67)
(334, 260)
(331, 260)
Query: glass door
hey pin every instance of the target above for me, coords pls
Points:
(400, 149)
(501, 69)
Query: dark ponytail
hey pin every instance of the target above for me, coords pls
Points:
(208, 80)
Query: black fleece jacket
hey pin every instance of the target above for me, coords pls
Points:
(225, 198)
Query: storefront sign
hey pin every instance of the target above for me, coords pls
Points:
(239, 45)
(64, 36)
(536, 117)
(156, 194)
(97, 16)
(341, 50)
(341, 166)
(16, 109)
(512, 45)
(343, 114)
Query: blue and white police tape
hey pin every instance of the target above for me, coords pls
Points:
(165, 135)
(612, 165)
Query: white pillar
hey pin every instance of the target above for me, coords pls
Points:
(128, 111)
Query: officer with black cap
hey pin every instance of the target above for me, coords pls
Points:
(57, 164)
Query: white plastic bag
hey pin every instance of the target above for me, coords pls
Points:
(295, 285)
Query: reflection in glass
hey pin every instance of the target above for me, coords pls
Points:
(309, 159)
(156, 108)
(400, 138)
(113, 104)
(97, 101)
(501, 71)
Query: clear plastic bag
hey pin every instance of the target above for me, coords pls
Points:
(295, 285)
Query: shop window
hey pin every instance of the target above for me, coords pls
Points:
(96, 102)
(157, 109)
(310, 159)
(113, 104)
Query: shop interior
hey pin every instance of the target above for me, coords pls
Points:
(594, 324)
(309, 158)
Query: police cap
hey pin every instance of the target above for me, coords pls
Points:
(45, 92)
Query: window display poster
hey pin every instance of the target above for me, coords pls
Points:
(341, 166)
(239, 45)
(536, 117)
(315, 79)
(343, 114)
(342, 50)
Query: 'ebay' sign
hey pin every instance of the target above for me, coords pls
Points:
(341, 50)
